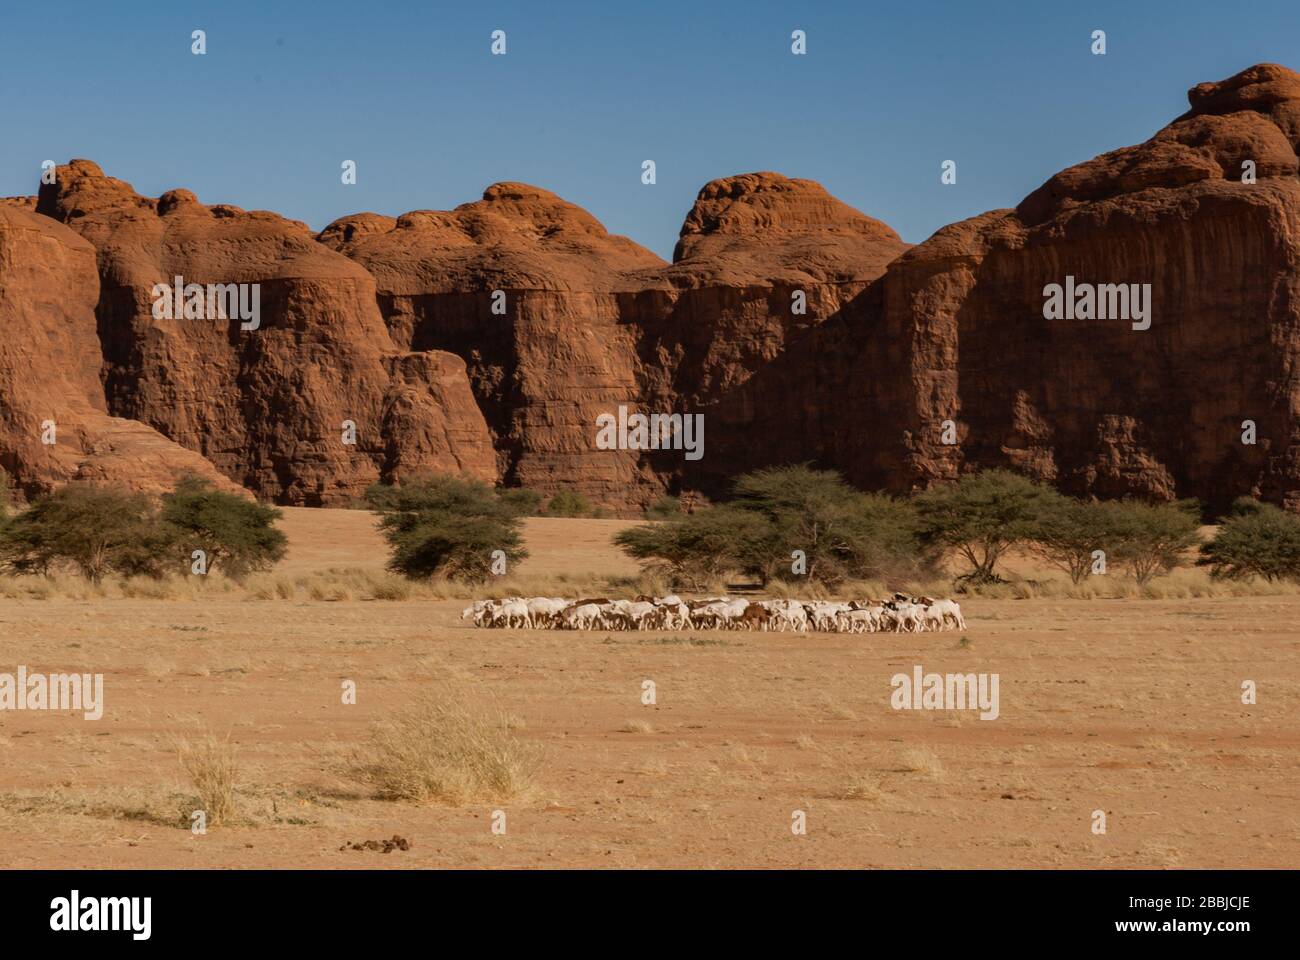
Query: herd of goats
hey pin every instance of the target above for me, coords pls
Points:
(899, 613)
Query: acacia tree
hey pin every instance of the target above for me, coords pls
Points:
(1255, 539)
(1151, 539)
(1068, 533)
(447, 526)
(235, 534)
(95, 529)
(696, 549)
(982, 516)
(842, 533)
(839, 532)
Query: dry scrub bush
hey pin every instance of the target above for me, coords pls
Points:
(920, 761)
(210, 764)
(860, 786)
(446, 748)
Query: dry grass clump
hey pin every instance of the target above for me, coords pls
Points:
(786, 590)
(343, 584)
(210, 764)
(447, 748)
(25, 588)
(920, 761)
(392, 587)
(176, 588)
(50, 586)
(882, 778)
(863, 786)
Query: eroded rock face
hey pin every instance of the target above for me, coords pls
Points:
(488, 339)
(525, 287)
(268, 404)
(1093, 404)
(732, 340)
(591, 321)
(49, 372)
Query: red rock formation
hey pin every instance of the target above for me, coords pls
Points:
(557, 353)
(762, 228)
(49, 372)
(593, 321)
(1095, 405)
(268, 406)
(893, 342)
(728, 343)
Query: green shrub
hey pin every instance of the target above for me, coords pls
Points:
(568, 503)
(522, 501)
(982, 516)
(446, 526)
(665, 508)
(1254, 540)
(237, 535)
(94, 529)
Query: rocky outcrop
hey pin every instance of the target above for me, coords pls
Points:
(488, 339)
(54, 425)
(1093, 404)
(770, 276)
(526, 288)
(275, 400)
(586, 322)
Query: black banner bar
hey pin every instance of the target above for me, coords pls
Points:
(339, 908)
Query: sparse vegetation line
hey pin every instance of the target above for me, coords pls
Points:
(788, 532)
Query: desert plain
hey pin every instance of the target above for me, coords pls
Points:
(1128, 706)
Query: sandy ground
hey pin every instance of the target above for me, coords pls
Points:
(1132, 707)
(320, 539)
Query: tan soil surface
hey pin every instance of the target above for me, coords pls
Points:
(1128, 706)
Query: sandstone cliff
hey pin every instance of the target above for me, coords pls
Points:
(588, 321)
(731, 341)
(268, 405)
(1093, 404)
(525, 287)
(489, 338)
(49, 372)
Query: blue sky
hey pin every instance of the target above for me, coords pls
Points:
(587, 91)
